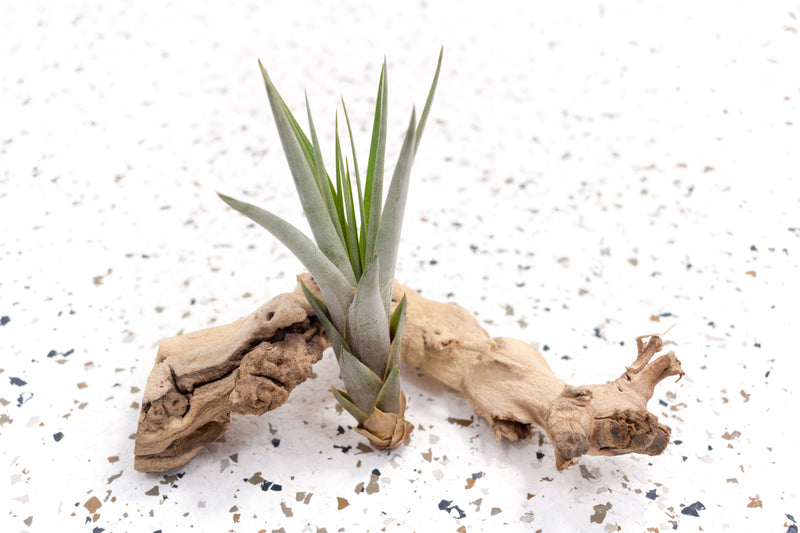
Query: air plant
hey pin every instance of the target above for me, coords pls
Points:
(353, 259)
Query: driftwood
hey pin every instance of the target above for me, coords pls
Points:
(251, 366)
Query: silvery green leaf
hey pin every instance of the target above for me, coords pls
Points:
(424, 117)
(361, 383)
(301, 164)
(396, 324)
(392, 217)
(321, 311)
(334, 286)
(323, 182)
(388, 399)
(373, 189)
(345, 401)
(367, 325)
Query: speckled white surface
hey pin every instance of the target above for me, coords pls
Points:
(588, 169)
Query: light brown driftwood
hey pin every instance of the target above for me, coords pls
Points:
(509, 383)
(250, 367)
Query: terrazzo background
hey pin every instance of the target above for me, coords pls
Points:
(591, 172)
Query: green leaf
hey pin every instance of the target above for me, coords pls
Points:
(392, 219)
(367, 325)
(321, 311)
(333, 284)
(424, 117)
(361, 383)
(363, 219)
(388, 399)
(322, 179)
(301, 163)
(345, 401)
(373, 191)
(396, 325)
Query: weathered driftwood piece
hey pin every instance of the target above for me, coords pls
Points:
(250, 367)
(509, 383)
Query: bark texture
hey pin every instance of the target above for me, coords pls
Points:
(251, 366)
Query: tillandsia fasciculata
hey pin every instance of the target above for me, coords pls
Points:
(353, 261)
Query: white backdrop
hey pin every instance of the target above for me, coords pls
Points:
(590, 172)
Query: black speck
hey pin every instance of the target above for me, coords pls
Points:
(791, 529)
(52, 353)
(266, 485)
(433, 262)
(677, 442)
(651, 494)
(477, 475)
(597, 333)
(565, 357)
(376, 472)
(344, 449)
(473, 247)
(693, 510)
(444, 505)
(24, 397)
(767, 374)
(145, 256)
(753, 248)
(520, 284)
(4, 320)
(545, 348)
(757, 344)
(340, 430)
(662, 315)
(98, 530)
(180, 475)
(58, 436)
(662, 402)
(276, 487)
(790, 517)
(710, 448)
(18, 382)
(684, 458)
(276, 442)
(539, 455)
(712, 324)
(192, 301)
(688, 266)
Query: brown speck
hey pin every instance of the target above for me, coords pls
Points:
(655, 318)
(363, 448)
(28, 521)
(159, 309)
(287, 511)
(731, 436)
(633, 261)
(495, 510)
(236, 517)
(463, 422)
(427, 455)
(359, 487)
(5, 420)
(470, 483)
(82, 385)
(461, 529)
(745, 396)
(509, 310)
(92, 504)
(751, 273)
(153, 491)
(372, 486)
(600, 511)
(342, 503)
(98, 280)
(755, 501)
(256, 479)
(112, 478)
(134, 405)
(530, 495)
